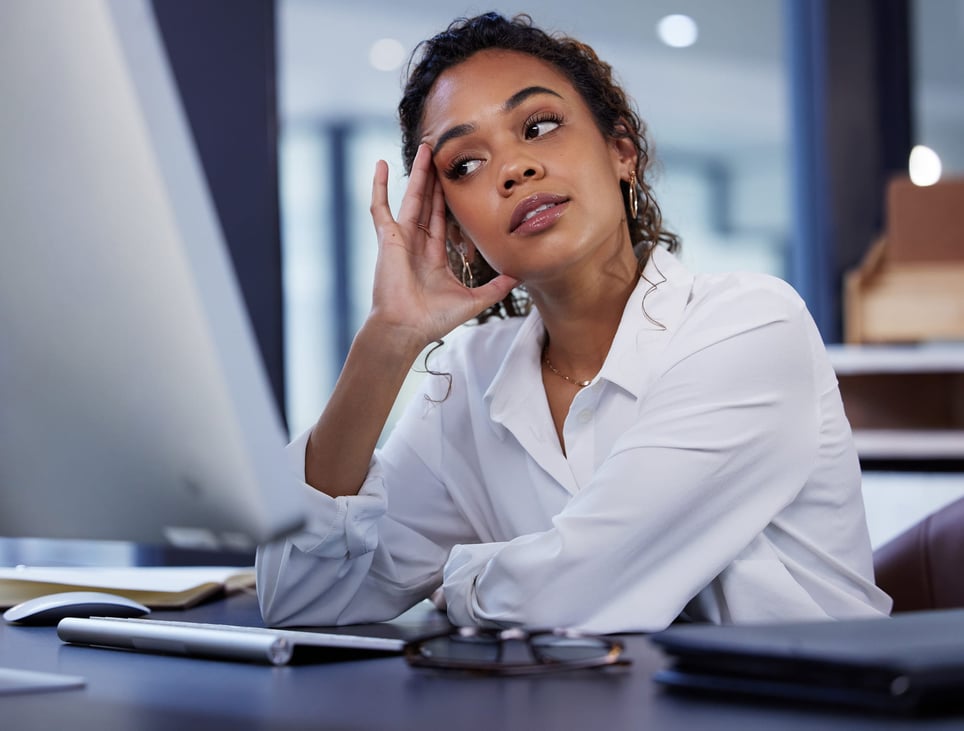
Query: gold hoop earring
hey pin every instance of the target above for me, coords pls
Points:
(633, 196)
(468, 280)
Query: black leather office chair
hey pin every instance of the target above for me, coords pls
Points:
(923, 567)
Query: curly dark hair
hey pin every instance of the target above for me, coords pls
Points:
(590, 76)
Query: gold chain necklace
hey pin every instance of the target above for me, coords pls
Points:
(563, 376)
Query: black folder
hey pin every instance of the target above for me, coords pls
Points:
(912, 663)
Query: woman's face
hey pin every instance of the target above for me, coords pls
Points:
(527, 175)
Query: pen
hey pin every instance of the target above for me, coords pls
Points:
(197, 640)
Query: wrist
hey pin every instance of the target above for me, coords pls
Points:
(390, 339)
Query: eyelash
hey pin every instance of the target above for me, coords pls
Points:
(452, 171)
(539, 118)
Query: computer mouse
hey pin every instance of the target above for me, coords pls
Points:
(51, 608)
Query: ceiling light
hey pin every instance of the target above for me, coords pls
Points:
(386, 54)
(678, 31)
(925, 166)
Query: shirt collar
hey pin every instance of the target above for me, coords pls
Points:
(650, 318)
(515, 382)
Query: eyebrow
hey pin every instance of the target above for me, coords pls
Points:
(520, 96)
(461, 130)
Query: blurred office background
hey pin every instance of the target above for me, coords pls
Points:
(717, 108)
(719, 83)
(776, 124)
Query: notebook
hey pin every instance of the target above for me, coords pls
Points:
(160, 587)
(911, 662)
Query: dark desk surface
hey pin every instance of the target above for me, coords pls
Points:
(138, 692)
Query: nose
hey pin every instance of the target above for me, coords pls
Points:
(519, 170)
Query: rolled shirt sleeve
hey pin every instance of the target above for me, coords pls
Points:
(356, 560)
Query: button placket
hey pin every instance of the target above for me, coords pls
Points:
(580, 443)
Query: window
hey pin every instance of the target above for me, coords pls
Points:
(938, 81)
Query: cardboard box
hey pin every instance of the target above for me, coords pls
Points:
(910, 286)
(925, 224)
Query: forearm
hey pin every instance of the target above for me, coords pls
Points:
(343, 440)
(355, 561)
(416, 300)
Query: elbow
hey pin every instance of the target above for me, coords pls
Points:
(275, 612)
(281, 600)
(291, 609)
(272, 611)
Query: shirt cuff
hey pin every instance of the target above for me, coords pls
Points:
(460, 579)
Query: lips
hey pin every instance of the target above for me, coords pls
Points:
(536, 212)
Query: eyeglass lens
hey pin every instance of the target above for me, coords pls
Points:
(491, 649)
(569, 649)
(469, 649)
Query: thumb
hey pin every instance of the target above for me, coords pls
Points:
(495, 290)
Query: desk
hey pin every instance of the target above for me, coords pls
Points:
(140, 692)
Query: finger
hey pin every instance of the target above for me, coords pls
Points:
(380, 208)
(415, 194)
(495, 290)
(428, 201)
(433, 215)
(436, 219)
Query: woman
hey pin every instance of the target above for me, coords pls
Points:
(646, 444)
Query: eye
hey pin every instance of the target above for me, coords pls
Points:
(462, 166)
(541, 124)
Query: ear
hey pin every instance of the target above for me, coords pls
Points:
(623, 156)
(623, 151)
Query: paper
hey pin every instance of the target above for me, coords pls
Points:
(143, 578)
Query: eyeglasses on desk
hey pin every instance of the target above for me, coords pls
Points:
(514, 651)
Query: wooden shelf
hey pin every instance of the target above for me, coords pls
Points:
(924, 358)
(908, 444)
(904, 402)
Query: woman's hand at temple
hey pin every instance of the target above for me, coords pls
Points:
(415, 289)
(417, 300)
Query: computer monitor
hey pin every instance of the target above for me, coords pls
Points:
(133, 402)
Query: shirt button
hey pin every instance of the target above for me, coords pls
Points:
(585, 416)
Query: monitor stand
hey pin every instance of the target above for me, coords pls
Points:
(15, 680)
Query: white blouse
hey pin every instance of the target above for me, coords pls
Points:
(709, 472)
